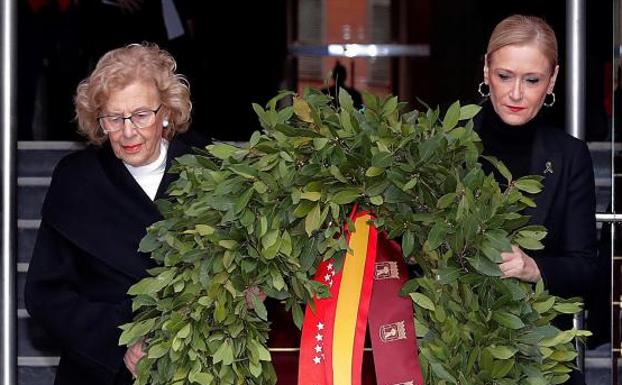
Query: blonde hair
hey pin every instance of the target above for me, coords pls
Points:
(119, 68)
(523, 30)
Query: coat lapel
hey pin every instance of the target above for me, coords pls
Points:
(105, 212)
(546, 160)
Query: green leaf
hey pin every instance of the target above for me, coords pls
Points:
(312, 221)
(297, 315)
(451, 116)
(220, 312)
(262, 353)
(469, 111)
(320, 143)
(527, 201)
(422, 300)
(442, 373)
(501, 368)
(149, 243)
(536, 381)
(448, 275)
(381, 160)
(561, 379)
(535, 232)
(484, 266)
(446, 200)
(270, 238)
(185, 331)
(346, 196)
(376, 200)
(563, 355)
(437, 235)
(508, 320)
(151, 285)
(390, 106)
(568, 308)
(498, 239)
(544, 306)
(228, 244)
(254, 140)
(345, 100)
(334, 171)
(259, 307)
(503, 170)
(421, 329)
(242, 202)
(201, 378)
(560, 339)
(528, 184)
(260, 187)
(204, 230)
(135, 331)
(302, 110)
(529, 243)
(311, 196)
(224, 354)
(158, 350)
(501, 352)
(243, 170)
(374, 171)
(408, 243)
(221, 151)
(539, 287)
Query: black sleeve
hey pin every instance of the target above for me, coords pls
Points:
(86, 330)
(573, 271)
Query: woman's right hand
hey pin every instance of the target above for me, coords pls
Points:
(517, 264)
(133, 354)
(253, 291)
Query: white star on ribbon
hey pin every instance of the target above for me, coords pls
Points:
(317, 360)
(327, 277)
(329, 266)
(320, 326)
(318, 349)
(319, 337)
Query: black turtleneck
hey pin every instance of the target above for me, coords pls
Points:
(510, 144)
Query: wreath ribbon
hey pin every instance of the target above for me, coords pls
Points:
(365, 291)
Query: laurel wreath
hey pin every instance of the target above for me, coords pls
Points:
(264, 215)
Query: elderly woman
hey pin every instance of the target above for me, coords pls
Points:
(520, 71)
(97, 209)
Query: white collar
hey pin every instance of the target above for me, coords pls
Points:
(155, 167)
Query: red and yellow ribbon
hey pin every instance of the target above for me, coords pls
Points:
(333, 337)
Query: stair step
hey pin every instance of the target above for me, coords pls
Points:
(36, 375)
(20, 279)
(39, 158)
(33, 340)
(26, 238)
(30, 198)
(38, 361)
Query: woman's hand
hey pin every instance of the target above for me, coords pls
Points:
(253, 291)
(133, 355)
(519, 265)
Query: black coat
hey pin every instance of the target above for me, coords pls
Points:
(85, 259)
(566, 207)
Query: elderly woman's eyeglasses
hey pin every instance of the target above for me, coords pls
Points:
(140, 119)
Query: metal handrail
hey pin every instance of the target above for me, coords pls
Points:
(9, 221)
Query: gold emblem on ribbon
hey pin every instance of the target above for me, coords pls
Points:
(386, 270)
(393, 332)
